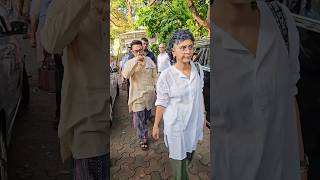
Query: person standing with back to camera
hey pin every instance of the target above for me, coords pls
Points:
(256, 127)
(77, 27)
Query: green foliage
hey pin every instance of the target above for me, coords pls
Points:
(119, 20)
(154, 48)
(167, 16)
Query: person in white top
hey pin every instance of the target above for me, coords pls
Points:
(180, 104)
(163, 59)
(256, 118)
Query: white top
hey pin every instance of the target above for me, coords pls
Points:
(163, 62)
(254, 123)
(184, 114)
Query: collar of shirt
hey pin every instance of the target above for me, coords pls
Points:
(181, 75)
(266, 36)
(227, 41)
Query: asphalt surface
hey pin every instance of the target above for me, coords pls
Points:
(33, 153)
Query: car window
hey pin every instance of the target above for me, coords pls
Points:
(307, 8)
(203, 56)
(207, 58)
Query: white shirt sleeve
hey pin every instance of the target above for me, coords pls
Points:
(162, 92)
(294, 46)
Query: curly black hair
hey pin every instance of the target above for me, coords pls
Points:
(178, 37)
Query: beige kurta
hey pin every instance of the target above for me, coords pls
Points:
(143, 77)
(74, 26)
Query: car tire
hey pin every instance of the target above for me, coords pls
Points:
(3, 158)
(25, 89)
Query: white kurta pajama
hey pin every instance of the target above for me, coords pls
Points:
(254, 123)
(184, 114)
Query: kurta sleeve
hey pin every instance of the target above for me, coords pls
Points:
(294, 47)
(162, 92)
(62, 23)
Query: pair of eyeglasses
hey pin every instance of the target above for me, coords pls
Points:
(138, 51)
(184, 48)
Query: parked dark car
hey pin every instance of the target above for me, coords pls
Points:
(308, 91)
(14, 86)
(203, 57)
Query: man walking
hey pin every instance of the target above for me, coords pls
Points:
(142, 73)
(163, 59)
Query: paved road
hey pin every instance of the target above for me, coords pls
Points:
(130, 162)
(34, 151)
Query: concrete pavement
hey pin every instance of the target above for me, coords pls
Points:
(128, 161)
(34, 150)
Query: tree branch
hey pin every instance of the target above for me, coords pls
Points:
(115, 24)
(115, 15)
(196, 16)
(151, 2)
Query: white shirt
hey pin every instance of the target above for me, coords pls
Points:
(163, 62)
(254, 123)
(184, 114)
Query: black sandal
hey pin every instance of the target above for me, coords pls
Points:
(143, 146)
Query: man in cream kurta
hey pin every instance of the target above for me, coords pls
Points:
(75, 27)
(142, 73)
